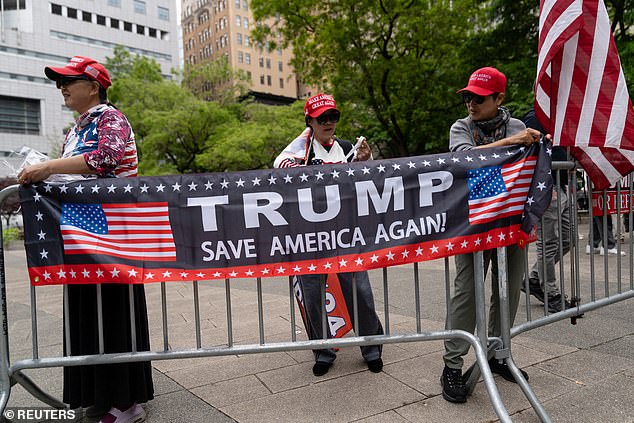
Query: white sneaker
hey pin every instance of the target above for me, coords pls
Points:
(596, 249)
(134, 414)
(612, 251)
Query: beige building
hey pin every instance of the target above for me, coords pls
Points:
(216, 28)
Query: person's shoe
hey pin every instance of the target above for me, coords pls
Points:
(535, 289)
(612, 251)
(133, 414)
(554, 304)
(375, 366)
(503, 370)
(596, 249)
(453, 387)
(321, 368)
(96, 411)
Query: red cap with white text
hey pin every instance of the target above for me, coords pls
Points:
(318, 104)
(486, 81)
(81, 66)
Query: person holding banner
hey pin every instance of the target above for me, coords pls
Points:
(488, 124)
(315, 146)
(100, 144)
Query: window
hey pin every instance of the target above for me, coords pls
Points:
(115, 3)
(127, 26)
(19, 115)
(86, 16)
(240, 57)
(247, 58)
(246, 23)
(280, 66)
(237, 4)
(268, 80)
(101, 20)
(268, 63)
(140, 29)
(163, 13)
(261, 62)
(246, 40)
(14, 5)
(56, 9)
(165, 36)
(238, 21)
(139, 6)
(249, 75)
(71, 13)
(245, 5)
(261, 79)
(114, 23)
(239, 38)
(281, 82)
(152, 32)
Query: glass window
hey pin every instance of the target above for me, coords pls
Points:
(237, 4)
(281, 82)
(238, 21)
(246, 40)
(240, 57)
(247, 58)
(14, 4)
(152, 32)
(101, 20)
(127, 26)
(163, 13)
(56, 9)
(249, 75)
(280, 66)
(245, 5)
(71, 13)
(239, 38)
(114, 23)
(262, 79)
(19, 115)
(115, 3)
(86, 16)
(261, 62)
(268, 80)
(140, 29)
(268, 63)
(139, 6)
(246, 23)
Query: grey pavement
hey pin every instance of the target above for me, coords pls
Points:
(580, 373)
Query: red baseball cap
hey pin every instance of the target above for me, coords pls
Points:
(486, 81)
(81, 66)
(318, 104)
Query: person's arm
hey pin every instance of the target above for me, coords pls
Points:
(41, 171)
(294, 153)
(527, 136)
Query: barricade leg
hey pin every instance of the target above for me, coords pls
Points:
(5, 380)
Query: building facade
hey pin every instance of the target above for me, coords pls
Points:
(39, 33)
(213, 29)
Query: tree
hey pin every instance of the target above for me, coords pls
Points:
(398, 61)
(11, 205)
(216, 81)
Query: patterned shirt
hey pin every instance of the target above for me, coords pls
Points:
(104, 136)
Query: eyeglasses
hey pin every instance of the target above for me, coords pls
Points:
(67, 80)
(467, 97)
(329, 117)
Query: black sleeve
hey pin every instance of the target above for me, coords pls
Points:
(346, 146)
(530, 120)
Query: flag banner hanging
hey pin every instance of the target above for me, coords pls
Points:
(581, 96)
(284, 222)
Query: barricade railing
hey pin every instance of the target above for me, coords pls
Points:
(484, 346)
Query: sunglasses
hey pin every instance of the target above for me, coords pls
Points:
(328, 117)
(467, 97)
(67, 80)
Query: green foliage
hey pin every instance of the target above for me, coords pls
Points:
(216, 81)
(11, 234)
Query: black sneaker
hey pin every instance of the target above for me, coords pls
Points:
(375, 366)
(534, 288)
(321, 368)
(554, 304)
(503, 370)
(453, 387)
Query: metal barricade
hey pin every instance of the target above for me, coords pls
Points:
(484, 346)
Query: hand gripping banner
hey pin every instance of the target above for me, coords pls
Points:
(280, 222)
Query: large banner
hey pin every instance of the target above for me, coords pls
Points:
(277, 222)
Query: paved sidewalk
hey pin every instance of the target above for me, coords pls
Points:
(582, 373)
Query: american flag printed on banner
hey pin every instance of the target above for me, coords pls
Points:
(132, 231)
(581, 97)
(499, 191)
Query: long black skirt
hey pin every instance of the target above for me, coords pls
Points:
(107, 385)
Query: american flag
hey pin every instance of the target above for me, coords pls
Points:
(499, 191)
(132, 231)
(580, 95)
